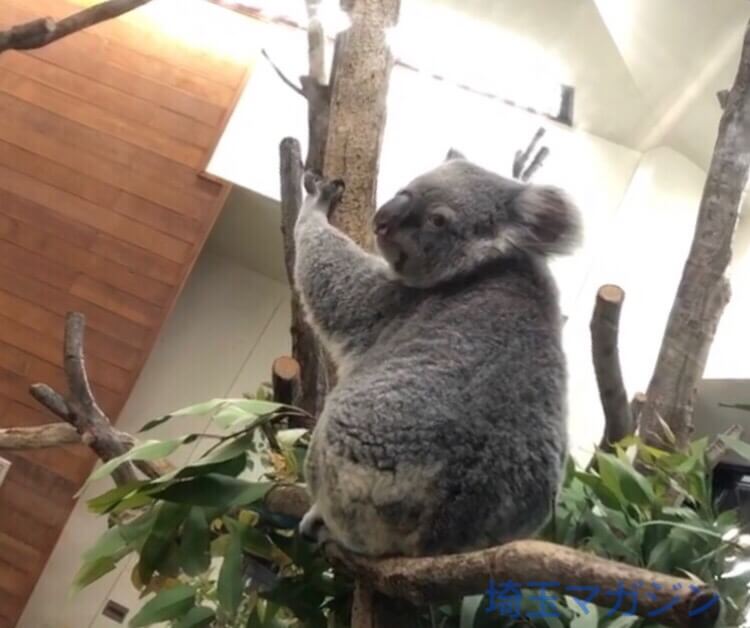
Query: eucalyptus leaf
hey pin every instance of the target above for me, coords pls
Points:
(602, 533)
(214, 490)
(660, 557)
(226, 417)
(469, 607)
(166, 605)
(195, 550)
(258, 406)
(683, 526)
(289, 438)
(255, 542)
(303, 600)
(105, 502)
(231, 466)
(111, 544)
(197, 409)
(91, 572)
(156, 548)
(607, 496)
(150, 450)
(230, 584)
(137, 530)
(197, 617)
(624, 480)
(203, 408)
(150, 425)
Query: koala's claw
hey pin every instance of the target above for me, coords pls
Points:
(327, 192)
(312, 181)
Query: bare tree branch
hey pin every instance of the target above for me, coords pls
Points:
(80, 409)
(636, 407)
(284, 379)
(311, 391)
(436, 579)
(39, 437)
(441, 578)
(281, 74)
(716, 450)
(567, 105)
(605, 326)
(43, 31)
(538, 162)
(704, 289)
(519, 161)
(316, 43)
(51, 400)
(59, 434)
(73, 362)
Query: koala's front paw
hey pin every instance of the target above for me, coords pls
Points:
(324, 194)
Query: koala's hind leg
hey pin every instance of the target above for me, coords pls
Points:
(367, 510)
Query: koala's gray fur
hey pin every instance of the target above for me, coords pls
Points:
(446, 429)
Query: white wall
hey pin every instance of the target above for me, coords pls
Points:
(643, 250)
(228, 326)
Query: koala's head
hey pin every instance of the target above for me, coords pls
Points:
(460, 216)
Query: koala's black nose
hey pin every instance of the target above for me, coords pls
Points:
(392, 214)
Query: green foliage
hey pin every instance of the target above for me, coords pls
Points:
(657, 514)
(174, 603)
(210, 554)
(208, 551)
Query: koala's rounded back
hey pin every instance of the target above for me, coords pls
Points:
(446, 430)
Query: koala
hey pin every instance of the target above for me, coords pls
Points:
(446, 429)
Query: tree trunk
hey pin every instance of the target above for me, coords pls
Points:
(704, 289)
(361, 72)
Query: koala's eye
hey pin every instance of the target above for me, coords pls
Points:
(439, 216)
(438, 220)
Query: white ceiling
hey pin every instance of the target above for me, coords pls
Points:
(646, 72)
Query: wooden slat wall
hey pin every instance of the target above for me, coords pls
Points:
(102, 137)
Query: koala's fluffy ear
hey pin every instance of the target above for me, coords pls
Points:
(549, 220)
(454, 154)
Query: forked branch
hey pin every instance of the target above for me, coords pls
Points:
(83, 420)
